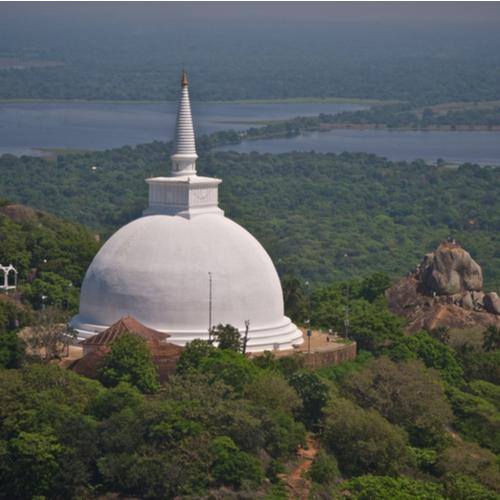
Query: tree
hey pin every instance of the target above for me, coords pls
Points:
(324, 469)
(374, 286)
(32, 460)
(462, 487)
(313, 393)
(227, 337)
(476, 409)
(49, 337)
(294, 298)
(432, 352)
(372, 326)
(491, 338)
(471, 460)
(384, 488)
(441, 333)
(230, 367)
(193, 354)
(270, 390)
(363, 441)
(53, 290)
(407, 394)
(12, 350)
(231, 466)
(130, 361)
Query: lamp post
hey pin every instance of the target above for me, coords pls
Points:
(346, 315)
(209, 306)
(308, 321)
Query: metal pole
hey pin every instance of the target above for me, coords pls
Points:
(209, 306)
(245, 340)
(346, 317)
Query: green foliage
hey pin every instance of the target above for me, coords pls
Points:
(37, 240)
(342, 371)
(314, 394)
(324, 469)
(294, 296)
(230, 367)
(12, 350)
(477, 411)
(227, 337)
(30, 465)
(461, 487)
(480, 365)
(384, 215)
(271, 390)
(491, 338)
(233, 467)
(64, 436)
(371, 324)
(51, 256)
(353, 60)
(13, 315)
(470, 460)
(432, 352)
(116, 399)
(374, 286)
(193, 355)
(363, 441)
(387, 488)
(130, 361)
(424, 458)
(53, 290)
(407, 394)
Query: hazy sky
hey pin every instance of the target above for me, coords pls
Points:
(156, 12)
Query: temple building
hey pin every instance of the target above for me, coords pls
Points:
(183, 266)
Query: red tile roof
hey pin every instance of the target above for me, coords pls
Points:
(126, 325)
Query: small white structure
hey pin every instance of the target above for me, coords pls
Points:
(9, 281)
(184, 266)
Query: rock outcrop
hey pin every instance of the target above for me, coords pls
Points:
(445, 290)
(450, 270)
(492, 303)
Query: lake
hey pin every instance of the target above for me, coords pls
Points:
(482, 147)
(97, 126)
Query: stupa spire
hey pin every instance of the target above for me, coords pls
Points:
(184, 157)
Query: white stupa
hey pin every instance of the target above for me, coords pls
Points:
(184, 266)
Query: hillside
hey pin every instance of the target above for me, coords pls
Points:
(50, 254)
(309, 210)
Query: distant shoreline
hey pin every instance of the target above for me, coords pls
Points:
(292, 100)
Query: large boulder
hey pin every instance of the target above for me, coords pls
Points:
(444, 291)
(492, 303)
(450, 270)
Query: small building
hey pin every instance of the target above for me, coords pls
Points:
(8, 280)
(165, 355)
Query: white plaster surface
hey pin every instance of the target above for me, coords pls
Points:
(156, 270)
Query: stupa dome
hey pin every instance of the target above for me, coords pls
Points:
(184, 266)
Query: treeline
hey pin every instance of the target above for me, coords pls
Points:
(411, 417)
(326, 216)
(408, 116)
(395, 116)
(261, 62)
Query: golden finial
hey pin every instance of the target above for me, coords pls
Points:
(184, 79)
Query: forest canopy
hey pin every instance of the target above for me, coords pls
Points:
(320, 216)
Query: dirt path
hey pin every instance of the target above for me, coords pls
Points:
(298, 487)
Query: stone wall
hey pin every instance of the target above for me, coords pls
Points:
(319, 359)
